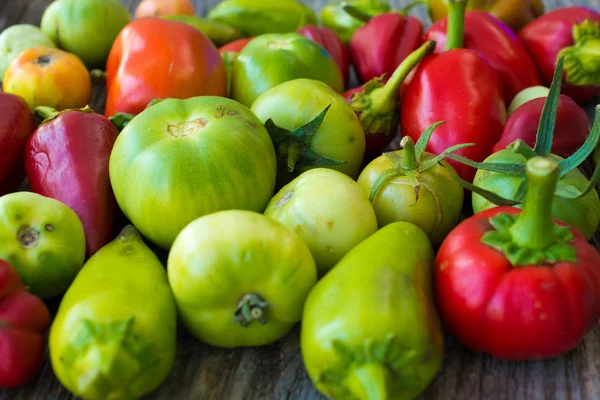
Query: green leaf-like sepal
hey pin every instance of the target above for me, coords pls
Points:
(387, 353)
(295, 147)
(501, 239)
(105, 358)
(582, 63)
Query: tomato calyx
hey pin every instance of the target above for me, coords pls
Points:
(367, 370)
(377, 104)
(410, 163)
(581, 60)
(111, 354)
(121, 119)
(294, 147)
(251, 307)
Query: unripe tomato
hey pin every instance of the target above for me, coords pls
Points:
(158, 8)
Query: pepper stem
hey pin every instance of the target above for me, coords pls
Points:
(251, 307)
(369, 382)
(356, 13)
(456, 24)
(582, 60)
(43, 112)
(409, 159)
(534, 225)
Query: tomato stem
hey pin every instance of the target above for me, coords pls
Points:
(534, 225)
(409, 159)
(369, 382)
(456, 24)
(251, 307)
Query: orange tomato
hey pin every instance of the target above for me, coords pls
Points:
(49, 77)
(154, 58)
(159, 8)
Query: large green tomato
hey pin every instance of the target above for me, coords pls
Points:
(329, 210)
(271, 59)
(18, 38)
(582, 213)
(240, 278)
(181, 159)
(86, 28)
(339, 138)
(43, 239)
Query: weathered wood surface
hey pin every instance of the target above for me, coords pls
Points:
(277, 371)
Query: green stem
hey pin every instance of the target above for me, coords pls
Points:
(534, 226)
(456, 24)
(357, 13)
(384, 99)
(98, 75)
(369, 382)
(43, 113)
(409, 159)
(120, 120)
(250, 308)
(411, 5)
(293, 154)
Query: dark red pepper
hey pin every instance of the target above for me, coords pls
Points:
(460, 88)
(376, 104)
(570, 132)
(496, 43)
(67, 159)
(379, 46)
(574, 32)
(24, 320)
(17, 124)
(327, 39)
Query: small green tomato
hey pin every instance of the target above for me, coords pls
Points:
(18, 38)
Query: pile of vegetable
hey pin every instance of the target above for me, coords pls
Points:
(234, 145)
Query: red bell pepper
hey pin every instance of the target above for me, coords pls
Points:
(570, 132)
(461, 88)
(24, 320)
(236, 46)
(379, 46)
(155, 58)
(67, 159)
(574, 32)
(327, 39)
(17, 124)
(497, 44)
(376, 104)
(518, 284)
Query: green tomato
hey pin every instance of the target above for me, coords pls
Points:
(582, 213)
(271, 59)
(86, 28)
(240, 278)
(370, 329)
(181, 159)
(432, 199)
(340, 137)
(334, 17)
(43, 239)
(526, 95)
(114, 336)
(18, 38)
(217, 32)
(328, 210)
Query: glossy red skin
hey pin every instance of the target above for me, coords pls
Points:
(498, 44)
(24, 320)
(67, 159)
(462, 89)
(523, 313)
(17, 124)
(156, 58)
(570, 132)
(375, 143)
(236, 46)
(327, 39)
(546, 36)
(379, 46)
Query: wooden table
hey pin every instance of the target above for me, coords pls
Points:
(277, 371)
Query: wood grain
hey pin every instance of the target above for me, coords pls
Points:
(277, 371)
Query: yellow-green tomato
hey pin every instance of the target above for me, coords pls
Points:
(43, 239)
(114, 336)
(339, 137)
(430, 199)
(329, 210)
(370, 329)
(18, 38)
(240, 278)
